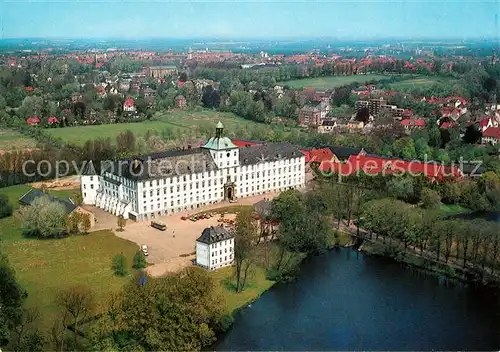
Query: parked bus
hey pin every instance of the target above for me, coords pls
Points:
(158, 225)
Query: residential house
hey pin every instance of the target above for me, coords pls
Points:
(129, 105)
(491, 135)
(52, 120)
(310, 116)
(180, 101)
(488, 122)
(355, 126)
(33, 121)
(313, 114)
(215, 248)
(409, 124)
(327, 126)
(101, 91)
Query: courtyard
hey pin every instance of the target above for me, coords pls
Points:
(173, 249)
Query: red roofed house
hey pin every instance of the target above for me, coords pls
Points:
(28, 89)
(491, 135)
(385, 166)
(319, 155)
(129, 105)
(180, 101)
(488, 122)
(447, 124)
(52, 120)
(410, 124)
(33, 121)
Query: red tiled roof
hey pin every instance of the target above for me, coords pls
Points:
(129, 102)
(493, 132)
(52, 119)
(448, 124)
(417, 122)
(33, 120)
(484, 122)
(318, 155)
(385, 166)
(242, 144)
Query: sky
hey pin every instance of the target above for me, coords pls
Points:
(355, 19)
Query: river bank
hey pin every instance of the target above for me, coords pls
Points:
(450, 270)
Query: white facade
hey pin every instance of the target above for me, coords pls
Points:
(234, 176)
(213, 256)
(90, 185)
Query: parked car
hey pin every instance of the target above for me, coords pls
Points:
(144, 249)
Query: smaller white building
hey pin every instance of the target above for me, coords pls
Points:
(215, 248)
(90, 183)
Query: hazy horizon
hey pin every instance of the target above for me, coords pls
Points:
(250, 20)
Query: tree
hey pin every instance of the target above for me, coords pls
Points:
(430, 199)
(121, 222)
(139, 261)
(44, 218)
(126, 142)
(119, 265)
(178, 312)
(211, 97)
(78, 302)
(73, 222)
(12, 297)
(5, 207)
(86, 223)
(245, 234)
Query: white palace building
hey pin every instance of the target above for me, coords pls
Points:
(149, 186)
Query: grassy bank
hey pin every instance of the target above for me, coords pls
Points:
(256, 286)
(427, 264)
(45, 267)
(332, 81)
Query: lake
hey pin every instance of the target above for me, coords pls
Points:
(345, 300)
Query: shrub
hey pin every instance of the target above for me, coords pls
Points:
(5, 207)
(44, 218)
(139, 261)
(119, 265)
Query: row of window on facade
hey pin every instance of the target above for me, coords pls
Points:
(211, 174)
(215, 245)
(214, 254)
(216, 261)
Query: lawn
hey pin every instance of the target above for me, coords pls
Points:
(11, 140)
(331, 81)
(44, 267)
(452, 209)
(422, 82)
(180, 121)
(256, 286)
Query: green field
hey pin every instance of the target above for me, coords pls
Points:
(10, 140)
(44, 267)
(422, 82)
(331, 81)
(182, 121)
